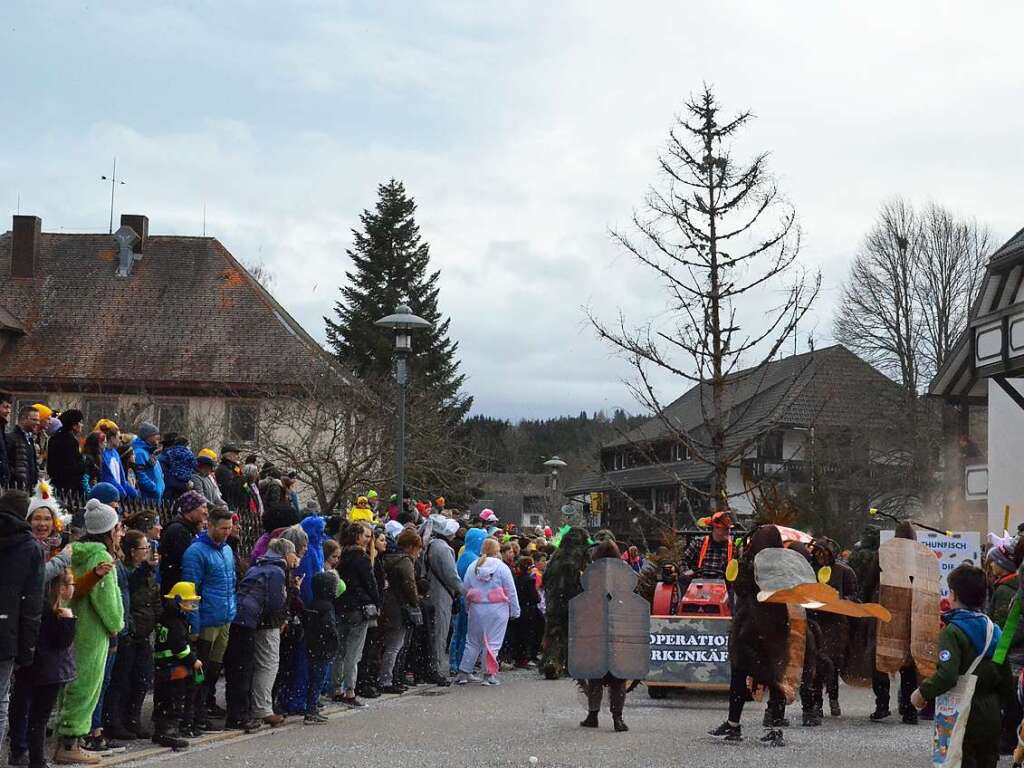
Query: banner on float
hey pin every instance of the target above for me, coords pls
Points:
(690, 650)
(960, 547)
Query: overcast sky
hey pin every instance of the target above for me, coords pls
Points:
(524, 130)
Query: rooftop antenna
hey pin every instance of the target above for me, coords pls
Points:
(114, 181)
(19, 203)
(204, 228)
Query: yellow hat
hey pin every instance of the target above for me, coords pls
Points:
(45, 411)
(361, 500)
(106, 425)
(208, 453)
(184, 591)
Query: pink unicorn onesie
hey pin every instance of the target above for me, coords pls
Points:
(491, 600)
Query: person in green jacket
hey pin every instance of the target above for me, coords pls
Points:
(100, 614)
(1002, 573)
(960, 641)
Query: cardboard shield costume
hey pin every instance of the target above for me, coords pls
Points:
(909, 588)
(609, 625)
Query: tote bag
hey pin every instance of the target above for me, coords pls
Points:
(951, 712)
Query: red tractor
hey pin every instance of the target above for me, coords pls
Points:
(690, 635)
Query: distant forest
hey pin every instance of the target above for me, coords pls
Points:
(499, 445)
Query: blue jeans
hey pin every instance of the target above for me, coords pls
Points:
(459, 627)
(317, 673)
(6, 673)
(97, 714)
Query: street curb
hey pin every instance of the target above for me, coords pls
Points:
(295, 721)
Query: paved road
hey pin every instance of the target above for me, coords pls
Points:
(505, 726)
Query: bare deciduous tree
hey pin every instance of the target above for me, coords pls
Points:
(329, 430)
(878, 317)
(953, 254)
(717, 232)
(909, 290)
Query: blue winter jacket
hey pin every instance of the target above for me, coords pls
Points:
(211, 567)
(474, 543)
(113, 472)
(148, 472)
(313, 561)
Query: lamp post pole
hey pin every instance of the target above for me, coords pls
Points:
(403, 322)
(402, 377)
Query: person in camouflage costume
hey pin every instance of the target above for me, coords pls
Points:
(562, 582)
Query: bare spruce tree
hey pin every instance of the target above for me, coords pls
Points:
(718, 234)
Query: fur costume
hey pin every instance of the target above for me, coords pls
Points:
(100, 616)
(562, 582)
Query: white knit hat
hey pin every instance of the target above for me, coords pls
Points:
(99, 518)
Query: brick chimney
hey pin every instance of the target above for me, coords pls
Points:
(25, 236)
(141, 226)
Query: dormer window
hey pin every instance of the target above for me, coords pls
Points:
(680, 452)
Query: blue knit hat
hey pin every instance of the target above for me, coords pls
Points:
(105, 492)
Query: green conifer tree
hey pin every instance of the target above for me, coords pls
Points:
(391, 266)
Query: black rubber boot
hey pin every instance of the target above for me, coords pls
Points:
(165, 733)
(590, 721)
(620, 726)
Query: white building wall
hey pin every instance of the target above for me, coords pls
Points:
(1005, 456)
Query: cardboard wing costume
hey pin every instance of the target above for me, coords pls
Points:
(609, 625)
(909, 588)
(785, 576)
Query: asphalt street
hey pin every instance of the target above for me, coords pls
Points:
(529, 717)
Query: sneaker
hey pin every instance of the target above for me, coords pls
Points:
(212, 710)
(727, 729)
(352, 701)
(619, 725)
(96, 744)
(879, 714)
(70, 752)
(274, 720)
(467, 677)
(208, 726)
(316, 719)
(910, 718)
(393, 689)
(490, 680)
(367, 692)
(17, 758)
(773, 738)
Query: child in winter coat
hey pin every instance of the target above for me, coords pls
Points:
(960, 642)
(176, 668)
(52, 667)
(321, 635)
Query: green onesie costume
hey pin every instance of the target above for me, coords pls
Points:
(100, 615)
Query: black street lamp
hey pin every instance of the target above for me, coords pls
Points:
(403, 322)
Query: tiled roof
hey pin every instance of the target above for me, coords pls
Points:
(188, 317)
(830, 386)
